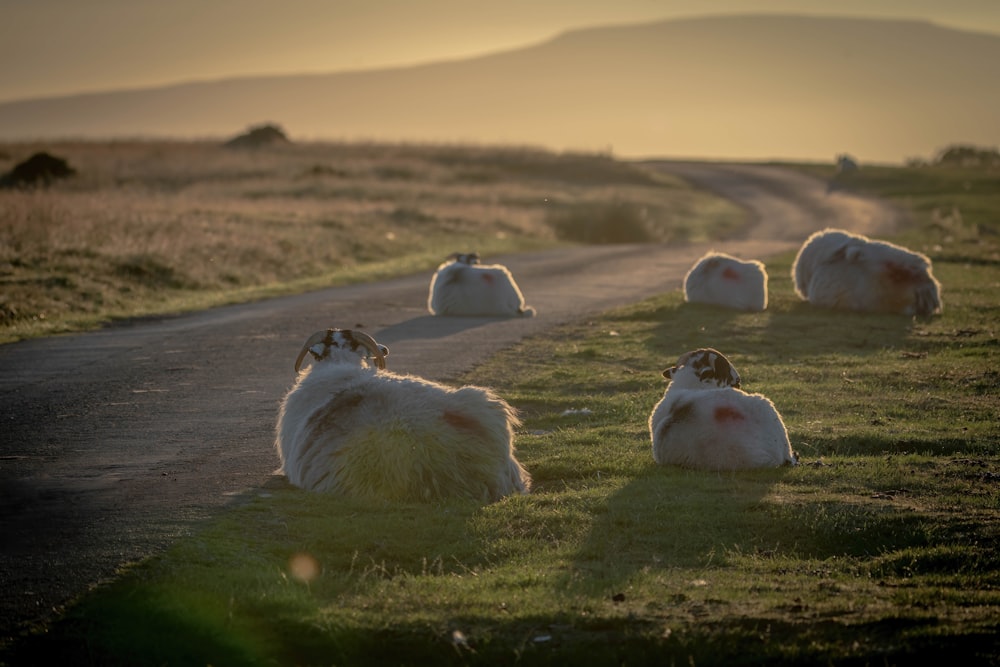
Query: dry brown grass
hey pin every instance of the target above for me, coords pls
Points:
(151, 227)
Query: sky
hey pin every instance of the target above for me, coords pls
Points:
(60, 47)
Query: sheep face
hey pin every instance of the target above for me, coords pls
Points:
(345, 346)
(704, 368)
(470, 258)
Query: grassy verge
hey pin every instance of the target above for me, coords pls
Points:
(147, 228)
(881, 548)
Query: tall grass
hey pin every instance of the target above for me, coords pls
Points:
(156, 227)
(880, 548)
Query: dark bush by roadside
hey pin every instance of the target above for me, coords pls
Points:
(41, 169)
(613, 222)
(259, 135)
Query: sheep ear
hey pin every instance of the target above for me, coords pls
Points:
(854, 253)
(376, 351)
(846, 252)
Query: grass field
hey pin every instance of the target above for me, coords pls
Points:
(147, 228)
(881, 548)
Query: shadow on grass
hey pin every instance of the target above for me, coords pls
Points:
(797, 330)
(269, 638)
(665, 518)
(669, 519)
(875, 445)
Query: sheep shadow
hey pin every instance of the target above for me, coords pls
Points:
(670, 521)
(790, 330)
(803, 330)
(666, 518)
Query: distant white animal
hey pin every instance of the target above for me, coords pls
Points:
(838, 269)
(705, 421)
(463, 286)
(350, 427)
(723, 280)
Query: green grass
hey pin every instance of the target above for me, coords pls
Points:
(880, 548)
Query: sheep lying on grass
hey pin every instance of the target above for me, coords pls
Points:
(837, 269)
(722, 280)
(705, 421)
(350, 427)
(463, 286)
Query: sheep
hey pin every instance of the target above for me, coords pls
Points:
(846, 164)
(463, 286)
(841, 270)
(705, 421)
(351, 428)
(722, 280)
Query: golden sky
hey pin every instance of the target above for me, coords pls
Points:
(55, 47)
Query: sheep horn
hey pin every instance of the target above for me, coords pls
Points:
(359, 337)
(369, 343)
(317, 337)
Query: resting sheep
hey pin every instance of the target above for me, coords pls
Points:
(463, 286)
(837, 269)
(722, 280)
(350, 427)
(705, 421)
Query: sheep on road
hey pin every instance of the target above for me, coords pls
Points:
(350, 427)
(463, 286)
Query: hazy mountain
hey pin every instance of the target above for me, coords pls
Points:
(738, 87)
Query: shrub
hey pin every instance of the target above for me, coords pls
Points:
(612, 222)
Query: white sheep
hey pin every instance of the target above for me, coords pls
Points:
(723, 280)
(705, 421)
(837, 269)
(350, 427)
(463, 286)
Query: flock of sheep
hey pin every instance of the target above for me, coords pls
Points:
(349, 426)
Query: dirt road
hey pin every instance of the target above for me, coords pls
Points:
(113, 443)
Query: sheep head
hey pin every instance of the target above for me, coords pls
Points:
(704, 366)
(321, 342)
(469, 258)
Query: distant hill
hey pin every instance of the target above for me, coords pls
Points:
(750, 87)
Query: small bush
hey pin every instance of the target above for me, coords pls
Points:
(963, 155)
(259, 135)
(41, 169)
(613, 222)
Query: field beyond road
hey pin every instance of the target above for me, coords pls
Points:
(152, 228)
(877, 548)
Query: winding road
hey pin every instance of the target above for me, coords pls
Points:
(113, 443)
